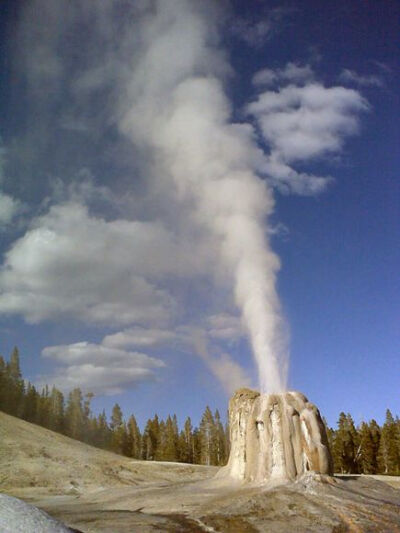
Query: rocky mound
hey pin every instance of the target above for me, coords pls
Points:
(275, 437)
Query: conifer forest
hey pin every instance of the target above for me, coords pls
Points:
(367, 448)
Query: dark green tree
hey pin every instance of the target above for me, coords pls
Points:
(74, 415)
(134, 439)
(220, 446)
(56, 410)
(367, 458)
(186, 444)
(389, 453)
(345, 446)
(30, 404)
(14, 385)
(118, 430)
(207, 438)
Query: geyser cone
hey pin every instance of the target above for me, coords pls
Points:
(275, 436)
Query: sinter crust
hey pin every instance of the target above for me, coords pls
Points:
(275, 436)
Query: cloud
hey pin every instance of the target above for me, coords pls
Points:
(184, 236)
(225, 327)
(291, 73)
(139, 336)
(72, 264)
(303, 123)
(350, 76)
(99, 369)
(9, 208)
(256, 32)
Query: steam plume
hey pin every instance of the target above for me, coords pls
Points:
(177, 108)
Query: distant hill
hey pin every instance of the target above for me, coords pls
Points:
(32, 457)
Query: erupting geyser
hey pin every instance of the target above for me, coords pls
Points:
(275, 437)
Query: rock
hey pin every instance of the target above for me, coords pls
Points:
(275, 437)
(17, 516)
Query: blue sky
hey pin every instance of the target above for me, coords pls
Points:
(156, 161)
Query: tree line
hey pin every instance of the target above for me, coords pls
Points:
(161, 440)
(366, 449)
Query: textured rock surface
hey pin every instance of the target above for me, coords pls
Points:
(275, 437)
(17, 516)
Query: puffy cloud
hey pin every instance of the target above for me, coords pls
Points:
(301, 123)
(72, 264)
(350, 76)
(98, 368)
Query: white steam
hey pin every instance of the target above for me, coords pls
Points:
(177, 108)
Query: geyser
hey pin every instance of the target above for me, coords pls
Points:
(275, 437)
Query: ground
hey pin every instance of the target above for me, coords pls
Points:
(96, 491)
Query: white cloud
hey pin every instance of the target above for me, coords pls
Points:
(9, 207)
(98, 368)
(139, 336)
(300, 124)
(291, 73)
(350, 76)
(72, 264)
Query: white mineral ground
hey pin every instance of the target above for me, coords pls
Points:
(95, 491)
(275, 437)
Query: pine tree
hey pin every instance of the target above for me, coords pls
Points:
(102, 432)
(196, 447)
(13, 365)
(221, 451)
(14, 385)
(151, 439)
(389, 454)
(345, 445)
(87, 426)
(74, 415)
(56, 411)
(227, 435)
(207, 438)
(171, 441)
(366, 449)
(376, 438)
(329, 433)
(30, 404)
(118, 430)
(43, 411)
(134, 439)
(186, 447)
(159, 454)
